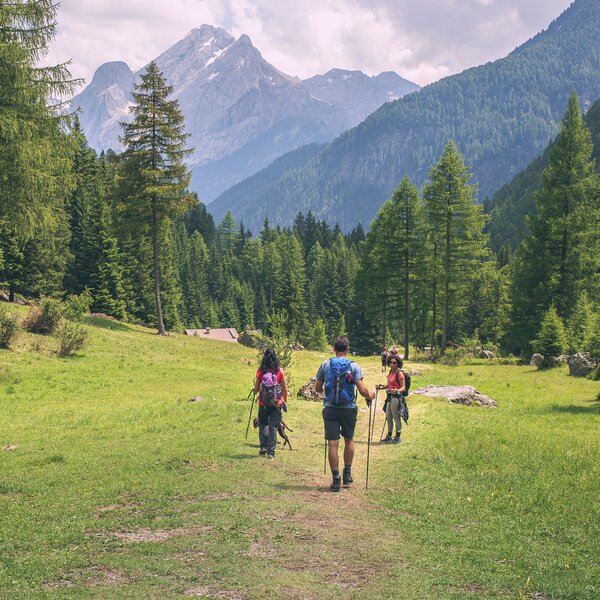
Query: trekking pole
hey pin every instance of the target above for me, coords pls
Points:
(369, 446)
(382, 430)
(325, 459)
(374, 414)
(251, 409)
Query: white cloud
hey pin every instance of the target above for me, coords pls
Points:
(421, 41)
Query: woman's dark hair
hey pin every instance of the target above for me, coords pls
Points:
(395, 357)
(269, 361)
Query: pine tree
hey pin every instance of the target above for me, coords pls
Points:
(291, 286)
(551, 339)
(316, 271)
(558, 260)
(12, 261)
(455, 225)
(200, 220)
(106, 277)
(580, 324)
(317, 338)
(35, 152)
(79, 206)
(592, 345)
(154, 177)
(403, 233)
(228, 233)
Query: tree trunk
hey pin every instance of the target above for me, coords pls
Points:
(434, 299)
(446, 316)
(561, 291)
(11, 294)
(155, 254)
(384, 332)
(406, 304)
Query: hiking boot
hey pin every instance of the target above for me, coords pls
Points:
(396, 440)
(336, 484)
(387, 439)
(347, 478)
(262, 451)
(270, 456)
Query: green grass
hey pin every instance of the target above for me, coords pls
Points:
(120, 488)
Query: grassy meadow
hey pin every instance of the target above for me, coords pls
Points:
(114, 485)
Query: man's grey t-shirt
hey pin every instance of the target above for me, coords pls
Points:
(324, 371)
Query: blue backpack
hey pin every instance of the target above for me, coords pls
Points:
(340, 389)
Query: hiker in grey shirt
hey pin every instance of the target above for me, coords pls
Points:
(340, 377)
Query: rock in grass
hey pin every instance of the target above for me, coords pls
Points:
(457, 394)
(536, 360)
(580, 364)
(308, 391)
(196, 399)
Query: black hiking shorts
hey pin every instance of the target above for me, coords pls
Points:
(339, 420)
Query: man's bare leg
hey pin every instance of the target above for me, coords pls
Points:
(348, 451)
(334, 461)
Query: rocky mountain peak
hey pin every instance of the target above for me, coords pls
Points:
(240, 110)
(113, 73)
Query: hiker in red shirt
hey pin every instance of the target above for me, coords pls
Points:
(396, 386)
(272, 389)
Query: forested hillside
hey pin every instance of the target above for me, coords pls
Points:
(252, 188)
(501, 115)
(515, 200)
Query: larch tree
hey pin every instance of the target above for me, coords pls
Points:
(154, 177)
(558, 260)
(398, 244)
(35, 150)
(456, 235)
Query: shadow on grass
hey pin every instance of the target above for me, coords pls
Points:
(300, 487)
(244, 456)
(593, 407)
(106, 324)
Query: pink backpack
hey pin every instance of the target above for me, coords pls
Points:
(270, 390)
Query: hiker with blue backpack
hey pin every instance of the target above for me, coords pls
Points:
(272, 396)
(395, 403)
(341, 378)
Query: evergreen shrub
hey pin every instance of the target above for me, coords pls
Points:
(71, 337)
(45, 317)
(76, 307)
(551, 340)
(9, 328)
(317, 337)
(453, 357)
(592, 346)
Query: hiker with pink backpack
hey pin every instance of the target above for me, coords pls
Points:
(272, 395)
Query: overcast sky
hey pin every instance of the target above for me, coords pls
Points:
(422, 40)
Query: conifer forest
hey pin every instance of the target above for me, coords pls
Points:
(124, 232)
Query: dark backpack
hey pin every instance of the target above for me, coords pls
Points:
(407, 381)
(270, 390)
(340, 389)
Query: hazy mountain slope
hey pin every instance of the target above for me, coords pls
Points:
(260, 182)
(501, 114)
(515, 200)
(355, 94)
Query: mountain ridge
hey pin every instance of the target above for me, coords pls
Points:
(236, 106)
(501, 114)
